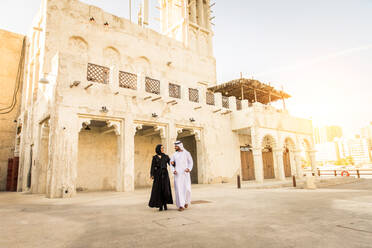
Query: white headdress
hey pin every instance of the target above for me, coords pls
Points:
(180, 145)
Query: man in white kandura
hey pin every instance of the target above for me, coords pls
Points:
(182, 164)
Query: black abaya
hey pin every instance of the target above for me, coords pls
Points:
(161, 193)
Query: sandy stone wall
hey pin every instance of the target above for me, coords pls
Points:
(97, 161)
(10, 52)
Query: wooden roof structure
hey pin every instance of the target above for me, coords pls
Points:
(251, 90)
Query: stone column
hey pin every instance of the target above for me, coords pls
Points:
(127, 155)
(193, 12)
(258, 164)
(218, 100)
(297, 158)
(63, 156)
(114, 78)
(279, 172)
(245, 104)
(232, 103)
(312, 156)
(200, 11)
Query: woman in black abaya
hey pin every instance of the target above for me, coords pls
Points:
(161, 193)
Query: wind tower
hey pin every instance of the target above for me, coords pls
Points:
(188, 21)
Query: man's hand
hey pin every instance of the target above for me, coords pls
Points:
(172, 163)
(175, 172)
(152, 178)
(187, 170)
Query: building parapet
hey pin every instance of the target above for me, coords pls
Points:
(266, 116)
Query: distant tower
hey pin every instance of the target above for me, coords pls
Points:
(188, 21)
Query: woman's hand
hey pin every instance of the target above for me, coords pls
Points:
(175, 172)
(187, 170)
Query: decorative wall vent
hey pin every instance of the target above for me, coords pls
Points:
(152, 85)
(174, 90)
(225, 102)
(127, 80)
(97, 73)
(193, 95)
(210, 98)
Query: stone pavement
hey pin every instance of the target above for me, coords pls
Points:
(334, 216)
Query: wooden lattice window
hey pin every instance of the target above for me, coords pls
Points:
(193, 95)
(225, 102)
(127, 80)
(174, 90)
(210, 98)
(97, 73)
(238, 104)
(152, 85)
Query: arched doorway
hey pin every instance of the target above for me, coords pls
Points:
(267, 157)
(97, 157)
(145, 141)
(246, 157)
(187, 137)
(289, 147)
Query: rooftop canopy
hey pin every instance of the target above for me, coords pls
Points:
(251, 90)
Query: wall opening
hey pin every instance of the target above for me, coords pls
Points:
(189, 142)
(247, 164)
(145, 142)
(97, 157)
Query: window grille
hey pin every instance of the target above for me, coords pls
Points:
(174, 90)
(238, 104)
(127, 80)
(210, 98)
(152, 85)
(225, 102)
(193, 95)
(97, 73)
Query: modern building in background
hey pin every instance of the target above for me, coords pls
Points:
(357, 148)
(366, 133)
(327, 152)
(327, 134)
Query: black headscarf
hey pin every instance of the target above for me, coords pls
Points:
(158, 149)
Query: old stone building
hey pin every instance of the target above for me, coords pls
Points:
(11, 59)
(99, 92)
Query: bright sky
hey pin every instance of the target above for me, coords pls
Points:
(320, 51)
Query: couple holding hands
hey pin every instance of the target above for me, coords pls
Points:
(181, 165)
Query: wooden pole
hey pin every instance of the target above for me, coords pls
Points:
(335, 173)
(269, 95)
(255, 95)
(130, 10)
(238, 181)
(282, 94)
(241, 85)
(294, 181)
(318, 172)
(358, 174)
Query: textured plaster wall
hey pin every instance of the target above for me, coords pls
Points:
(10, 52)
(97, 161)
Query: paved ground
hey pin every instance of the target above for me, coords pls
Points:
(337, 216)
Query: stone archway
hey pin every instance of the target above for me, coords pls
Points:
(191, 141)
(98, 158)
(145, 141)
